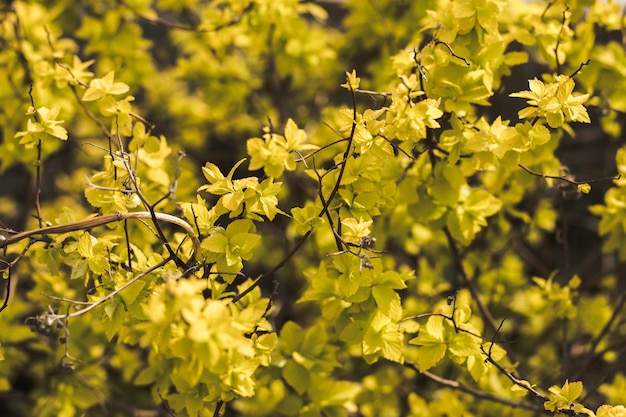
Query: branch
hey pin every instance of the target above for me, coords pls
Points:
(474, 392)
(558, 39)
(101, 221)
(7, 283)
(566, 178)
(323, 212)
(513, 378)
(580, 67)
(603, 333)
(454, 54)
(110, 295)
(486, 314)
(177, 26)
(144, 200)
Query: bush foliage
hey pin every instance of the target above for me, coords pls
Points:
(333, 208)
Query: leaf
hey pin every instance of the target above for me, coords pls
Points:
(563, 397)
(430, 352)
(482, 204)
(611, 411)
(297, 376)
(44, 127)
(462, 345)
(521, 390)
(294, 136)
(130, 293)
(215, 243)
(100, 87)
(430, 342)
(355, 229)
(382, 335)
(291, 337)
(388, 301)
(583, 188)
(306, 219)
(212, 173)
(477, 367)
(114, 317)
(353, 81)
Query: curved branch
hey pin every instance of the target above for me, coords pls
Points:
(101, 221)
(474, 392)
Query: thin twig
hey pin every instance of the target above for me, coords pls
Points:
(8, 285)
(218, 407)
(144, 201)
(323, 212)
(486, 314)
(580, 67)
(558, 38)
(513, 378)
(472, 391)
(603, 333)
(373, 93)
(447, 317)
(38, 162)
(565, 178)
(111, 294)
(454, 54)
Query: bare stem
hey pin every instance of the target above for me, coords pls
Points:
(472, 391)
(101, 221)
(113, 293)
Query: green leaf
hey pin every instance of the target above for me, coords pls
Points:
(565, 396)
(431, 345)
(583, 188)
(462, 345)
(353, 81)
(45, 126)
(306, 219)
(297, 376)
(114, 317)
(100, 87)
(291, 336)
(430, 352)
(383, 336)
(388, 301)
(480, 203)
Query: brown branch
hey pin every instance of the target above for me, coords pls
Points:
(566, 178)
(558, 39)
(38, 162)
(455, 385)
(144, 200)
(454, 54)
(603, 333)
(513, 378)
(8, 285)
(323, 212)
(445, 316)
(111, 294)
(580, 67)
(100, 221)
(159, 21)
(458, 262)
